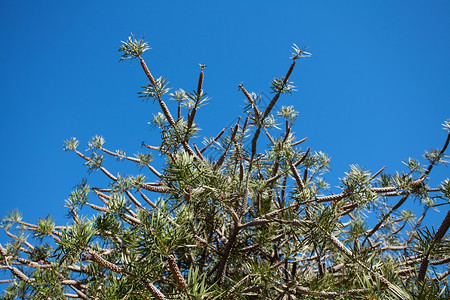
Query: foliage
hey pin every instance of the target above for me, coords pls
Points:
(246, 224)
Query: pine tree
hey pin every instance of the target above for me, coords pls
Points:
(254, 222)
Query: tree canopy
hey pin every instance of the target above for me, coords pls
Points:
(255, 221)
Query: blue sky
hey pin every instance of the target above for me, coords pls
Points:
(375, 91)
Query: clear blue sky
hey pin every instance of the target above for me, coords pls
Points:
(375, 91)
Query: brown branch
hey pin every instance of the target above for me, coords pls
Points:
(98, 208)
(419, 221)
(74, 282)
(198, 152)
(378, 173)
(296, 164)
(147, 71)
(437, 237)
(147, 200)
(93, 256)
(80, 293)
(222, 264)
(34, 264)
(133, 159)
(164, 107)
(329, 295)
(199, 94)
(390, 286)
(176, 273)
(297, 177)
(250, 99)
(440, 261)
(214, 140)
(150, 147)
(133, 199)
(269, 109)
(232, 139)
(269, 137)
(107, 173)
(299, 142)
(154, 291)
(156, 189)
(430, 167)
(20, 275)
(443, 275)
(378, 225)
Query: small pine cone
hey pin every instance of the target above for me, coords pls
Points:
(176, 272)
